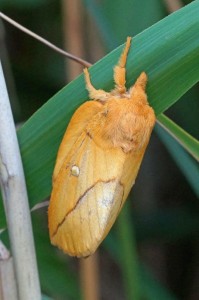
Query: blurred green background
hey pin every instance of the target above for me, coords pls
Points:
(152, 251)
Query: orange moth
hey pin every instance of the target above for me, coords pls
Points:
(98, 161)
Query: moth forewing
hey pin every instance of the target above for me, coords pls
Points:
(98, 162)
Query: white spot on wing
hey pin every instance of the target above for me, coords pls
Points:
(75, 171)
(107, 201)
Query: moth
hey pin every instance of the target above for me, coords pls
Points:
(98, 161)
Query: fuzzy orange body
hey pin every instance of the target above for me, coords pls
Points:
(98, 161)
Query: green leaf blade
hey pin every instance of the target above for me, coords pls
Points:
(183, 138)
(167, 51)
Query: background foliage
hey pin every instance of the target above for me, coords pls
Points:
(153, 248)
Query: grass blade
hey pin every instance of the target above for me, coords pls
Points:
(184, 139)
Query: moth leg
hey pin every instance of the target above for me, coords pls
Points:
(120, 70)
(99, 95)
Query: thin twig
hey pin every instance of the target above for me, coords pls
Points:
(40, 205)
(173, 5)
(89, 277)
(44, 41)
(73, 34)
(16, 203)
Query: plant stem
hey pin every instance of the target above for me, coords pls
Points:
(16, 203)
